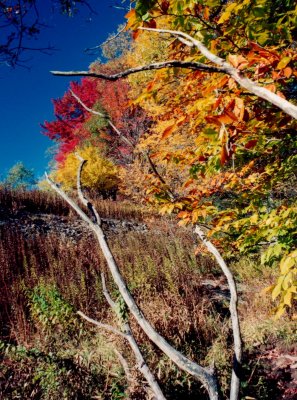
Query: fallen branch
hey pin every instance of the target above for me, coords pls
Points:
(128, 334)
(204, 375)
(235, 378)
(141, 364)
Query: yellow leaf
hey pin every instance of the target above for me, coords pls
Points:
(286, 264)
(283, 63)
(288, 299)
(280, 312)
(226, 15)
(276, 291)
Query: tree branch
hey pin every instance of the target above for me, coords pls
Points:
(171, 194)
(246, 83)
(106, 327)
(235, 379)
(222, 67)
(141, 364)
(166, 64)
(122, 137)
(205, 376)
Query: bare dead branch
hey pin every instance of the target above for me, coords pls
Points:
(82, 198)
(253, 87)
(171, 194)
(141, 364)
(235, 378)
(100, 325)
(106, 293)
(90, 110)
(204, 375)
(124, 364)
(222, 66)
(166, 64)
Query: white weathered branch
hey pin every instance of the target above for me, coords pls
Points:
(204, 375)
(246, 83)
(160, 65)
(100, 325)
(90, 110)
(141, 364)
(235, 379)
(222, 66)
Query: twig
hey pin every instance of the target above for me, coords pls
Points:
(102, 326)
(122, 137)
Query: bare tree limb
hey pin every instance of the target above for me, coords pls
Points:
(141, 364)
(235, 379)
(124, 364)
(171, 194)
(204, 375)
(90, 110)
(246, 83)
(82, 198)
(107, 41)
(222, 66)
(106, 327)
(166, 64)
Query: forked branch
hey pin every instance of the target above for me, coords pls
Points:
(220, 65)
(204, 375)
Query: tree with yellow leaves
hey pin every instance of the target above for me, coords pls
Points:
(100, 174)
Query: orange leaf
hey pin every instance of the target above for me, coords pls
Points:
(183, 214)
(206, 13)
(131, 13)
(288, 72)
(223, 82)
(132, 18)
(227, 117)
(239, 108)
(271, 87)
(188, 183)
(280, 94)
(150, 86)
(168, 131)
(135, 34)
(236, 60)
(105, 136)
(275, 75)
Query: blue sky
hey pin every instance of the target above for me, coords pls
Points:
(25, 96)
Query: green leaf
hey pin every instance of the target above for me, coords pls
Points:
(283, 63)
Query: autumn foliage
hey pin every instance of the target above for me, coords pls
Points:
(227, 158)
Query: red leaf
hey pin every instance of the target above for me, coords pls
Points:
(251, 143)
(152, 24)
(164, 6)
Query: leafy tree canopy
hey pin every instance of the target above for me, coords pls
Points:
(20, 177)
